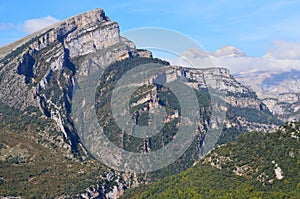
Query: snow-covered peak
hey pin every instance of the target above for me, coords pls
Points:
(229, 51)
(268, 55)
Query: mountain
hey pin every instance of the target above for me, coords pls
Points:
(39, 70)
(278, 90)
(43, 151)
(257, 165)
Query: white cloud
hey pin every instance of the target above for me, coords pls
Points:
(285, 50)
(285, 56)
(33, 25)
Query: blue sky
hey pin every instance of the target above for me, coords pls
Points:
(252, 26)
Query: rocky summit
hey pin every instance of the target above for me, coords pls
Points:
(39, 70)
(32, 60)
(38, 75)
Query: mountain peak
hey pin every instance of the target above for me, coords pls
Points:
(88, 20)
(89, 17)
(74, 37)
(229, 51)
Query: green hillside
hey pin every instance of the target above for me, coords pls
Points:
(241, 169)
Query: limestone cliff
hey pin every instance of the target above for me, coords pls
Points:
(39, 69)
(51, 50)
(238, 99)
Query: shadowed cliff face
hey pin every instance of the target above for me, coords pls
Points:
(26, 67)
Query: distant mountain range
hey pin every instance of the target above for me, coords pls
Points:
(280, 91)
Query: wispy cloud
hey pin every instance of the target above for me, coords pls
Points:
(33, 25)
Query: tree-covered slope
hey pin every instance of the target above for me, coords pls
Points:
(257, 165)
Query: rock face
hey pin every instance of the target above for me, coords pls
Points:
(100, 190)
(239, 100)
(39, 70)
(74, 37)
